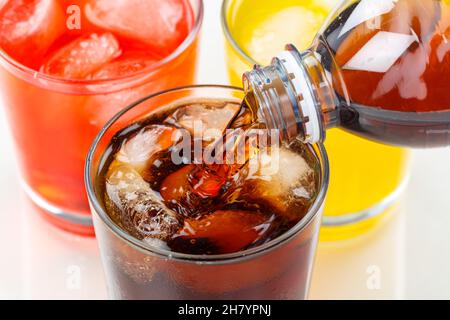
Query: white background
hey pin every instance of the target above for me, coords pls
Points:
(413, 255)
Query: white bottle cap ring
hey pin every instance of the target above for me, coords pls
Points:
(304, 95)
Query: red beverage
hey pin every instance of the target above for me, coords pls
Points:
(67, 69)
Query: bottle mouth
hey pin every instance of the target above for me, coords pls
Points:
(283, 99)
(306, 108)
(274, 100)
(262, 99)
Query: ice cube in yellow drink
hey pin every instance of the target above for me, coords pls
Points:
(366, 177)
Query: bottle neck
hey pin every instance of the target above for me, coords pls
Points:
(294, 96)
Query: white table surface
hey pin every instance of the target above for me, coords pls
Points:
(410, 257)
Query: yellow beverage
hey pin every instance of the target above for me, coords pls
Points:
(366, 177)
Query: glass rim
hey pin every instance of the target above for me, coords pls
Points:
(229, 34)
(10, 62)
(218, 258)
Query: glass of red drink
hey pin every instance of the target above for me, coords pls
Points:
(228, 254)
(68, 66)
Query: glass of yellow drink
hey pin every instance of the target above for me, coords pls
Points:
(366, 177)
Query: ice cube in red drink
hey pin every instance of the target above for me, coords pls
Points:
(29, 28)
(83, 56)
(128, 64)
(161, 25)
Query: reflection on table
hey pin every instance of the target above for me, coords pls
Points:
(370, 266)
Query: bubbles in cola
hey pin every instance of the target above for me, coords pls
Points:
(137, 207)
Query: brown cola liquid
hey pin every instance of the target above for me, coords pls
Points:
(196, 208)
(205, 209)
(409, 104)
